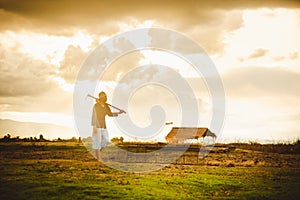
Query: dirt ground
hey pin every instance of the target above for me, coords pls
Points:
(61, 170)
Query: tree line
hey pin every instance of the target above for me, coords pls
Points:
(9, 138)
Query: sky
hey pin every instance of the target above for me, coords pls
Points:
(255, 46)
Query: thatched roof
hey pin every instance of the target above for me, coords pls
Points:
(183, 133)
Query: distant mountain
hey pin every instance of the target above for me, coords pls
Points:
(31, 129)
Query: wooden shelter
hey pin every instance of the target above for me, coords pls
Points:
(180, 134)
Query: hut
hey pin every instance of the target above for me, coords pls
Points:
(181, 134)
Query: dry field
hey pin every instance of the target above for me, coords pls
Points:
(67, 170)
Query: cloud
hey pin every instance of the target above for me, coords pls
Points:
(21, 75)
(258, 53)
(112, 55)
(294, 55)
(66, 11)
(27, 84)
(253, 82)
(12, 21)
(71, 63)
(121, 66)
(290, 56)
(52, 99)
(165, 78)
(209, 28)
(205, 21)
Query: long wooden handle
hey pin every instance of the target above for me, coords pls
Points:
(89, 95)
(115, 107)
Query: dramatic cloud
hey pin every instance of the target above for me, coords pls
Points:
(67, 11)
(121, 66)
(205, 21)
(21, 75)
(208, 31)
(53, 99)
(30, 85)
(71, 64)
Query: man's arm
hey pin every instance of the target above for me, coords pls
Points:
(113, 114)
(94, 121)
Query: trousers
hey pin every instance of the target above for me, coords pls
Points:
(100, 139)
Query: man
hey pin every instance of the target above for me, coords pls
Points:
(100, 135)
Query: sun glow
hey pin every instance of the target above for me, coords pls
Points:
(155, 57)
(67, 87)
(269, 37)
(48, 48)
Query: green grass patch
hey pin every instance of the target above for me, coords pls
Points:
(80, 177)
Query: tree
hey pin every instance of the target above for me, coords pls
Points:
(117, 140)
(73, 139)
(7, 138)
(41, 138)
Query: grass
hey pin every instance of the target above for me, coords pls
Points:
(68, 171)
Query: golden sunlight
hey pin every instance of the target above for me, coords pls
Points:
(268, 38)
(48, 48)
